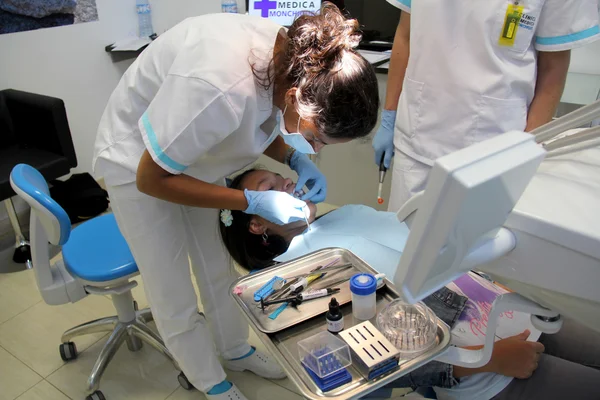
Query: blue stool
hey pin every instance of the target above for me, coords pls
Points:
(96, 260)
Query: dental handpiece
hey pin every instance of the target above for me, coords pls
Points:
(382, 171)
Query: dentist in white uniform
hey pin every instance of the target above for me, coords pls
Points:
(464, 71)
(205, 100)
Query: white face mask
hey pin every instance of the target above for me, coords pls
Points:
(295, 140)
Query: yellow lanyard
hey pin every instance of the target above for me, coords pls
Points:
(511, 24)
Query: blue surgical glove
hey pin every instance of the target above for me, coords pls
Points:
(383, 142)
(278, 207)
(309, 175)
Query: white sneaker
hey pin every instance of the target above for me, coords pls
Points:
(259, 363)
(232, 394)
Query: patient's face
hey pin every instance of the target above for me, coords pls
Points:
(266, 180)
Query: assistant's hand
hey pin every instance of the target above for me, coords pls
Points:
(309, 175)
(278, 207)
(515, 356)
(383, 142)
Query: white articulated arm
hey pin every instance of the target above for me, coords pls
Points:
(408, 211)
(479, 358)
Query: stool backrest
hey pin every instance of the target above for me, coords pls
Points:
(31, 186)
(49, 222)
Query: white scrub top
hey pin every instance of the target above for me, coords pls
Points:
(192, 101)
(462, 86)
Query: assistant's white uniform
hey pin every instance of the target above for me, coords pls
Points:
(191, 100)
(461, 87)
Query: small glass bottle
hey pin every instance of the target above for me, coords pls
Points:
(335, 319)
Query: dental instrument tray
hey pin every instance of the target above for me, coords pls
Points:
(282, 334)
(277, 317)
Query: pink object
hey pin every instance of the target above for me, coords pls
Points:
(239, 290)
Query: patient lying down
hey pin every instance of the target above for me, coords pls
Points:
(252, 241)
(379, 239)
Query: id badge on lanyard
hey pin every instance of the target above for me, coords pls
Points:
(511, 24)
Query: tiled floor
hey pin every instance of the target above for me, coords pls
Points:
(31, 367)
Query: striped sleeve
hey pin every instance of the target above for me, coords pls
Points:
(186, 119)
(567, 24)
(404, 5)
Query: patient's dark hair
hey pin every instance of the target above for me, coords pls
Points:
(250, 251)
(337, 87)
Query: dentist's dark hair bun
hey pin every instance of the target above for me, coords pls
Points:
(318, 41)
(336, 87)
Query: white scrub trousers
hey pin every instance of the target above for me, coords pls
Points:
(161, 236)
(409, 177)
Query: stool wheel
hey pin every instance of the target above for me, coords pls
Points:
(68, 351)
(22, 254)
(97, 395)
(183, 381)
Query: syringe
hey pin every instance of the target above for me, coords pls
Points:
(382, 171)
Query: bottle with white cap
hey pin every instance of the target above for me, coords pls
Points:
(364, 304)
(229, 6)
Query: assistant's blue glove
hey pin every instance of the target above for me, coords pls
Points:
(309, 175)
(383, 142)
(278, 207)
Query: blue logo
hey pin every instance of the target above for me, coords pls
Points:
(264, 6)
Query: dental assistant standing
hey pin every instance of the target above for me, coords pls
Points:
(205, 100)
(464, 71)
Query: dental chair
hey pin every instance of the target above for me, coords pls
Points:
(96, 260)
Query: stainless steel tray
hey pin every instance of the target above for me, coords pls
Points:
(292, 316)
(283, 342)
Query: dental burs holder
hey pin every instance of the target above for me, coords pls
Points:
(325, 358)
(372, 353)
(411, 328)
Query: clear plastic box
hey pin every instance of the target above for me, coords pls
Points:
(324, 354)
(411, 328)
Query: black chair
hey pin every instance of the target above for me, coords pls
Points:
(33, 130)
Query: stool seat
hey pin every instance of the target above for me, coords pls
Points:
(97, 252)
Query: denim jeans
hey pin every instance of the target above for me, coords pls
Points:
(448, 306)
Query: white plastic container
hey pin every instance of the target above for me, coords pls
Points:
(363, 287)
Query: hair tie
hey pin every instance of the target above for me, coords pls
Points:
(226, 218)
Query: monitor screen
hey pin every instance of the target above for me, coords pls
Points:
(378, 19)
(282, 12)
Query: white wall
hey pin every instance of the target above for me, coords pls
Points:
(586, 60)
(70, 63)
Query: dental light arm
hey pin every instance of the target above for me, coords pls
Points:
(479, 358)
(575, 119)
(459, 224)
